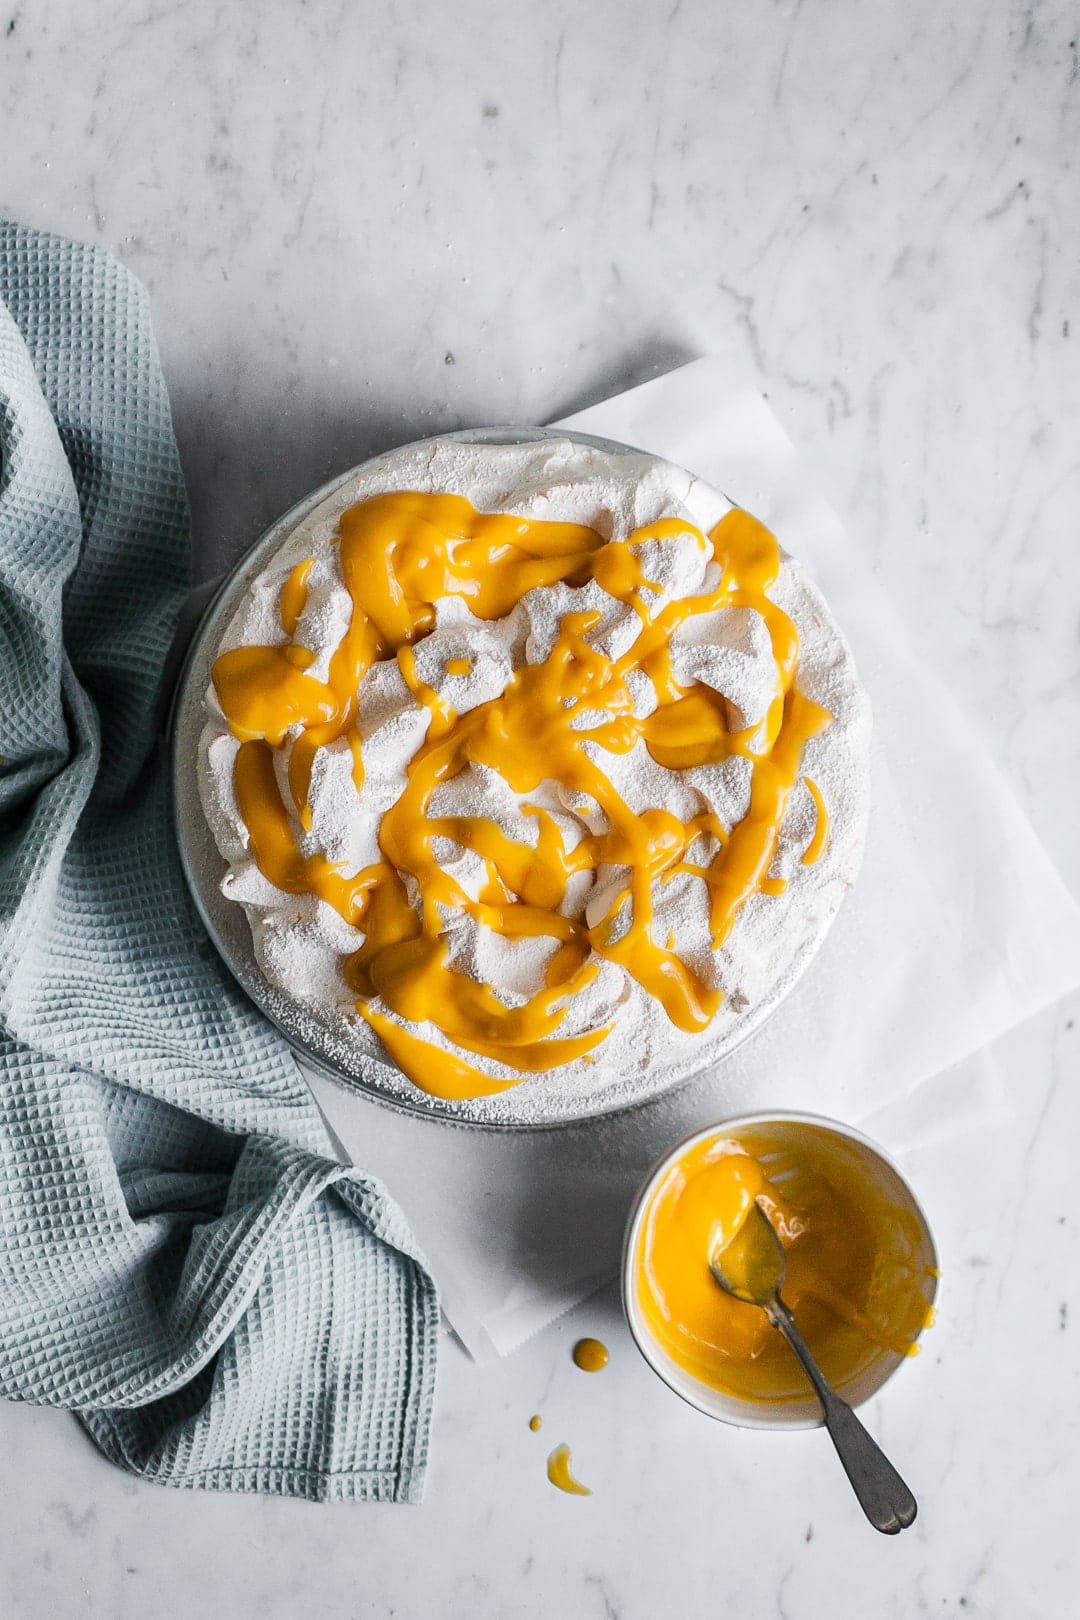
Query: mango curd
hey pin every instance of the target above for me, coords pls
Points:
(400, 553)
(560, 1475)
(859, 1266)
(591, 1355)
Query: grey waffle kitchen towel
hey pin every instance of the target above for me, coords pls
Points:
(183, 1262)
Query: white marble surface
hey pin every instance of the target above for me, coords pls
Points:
(361, 222)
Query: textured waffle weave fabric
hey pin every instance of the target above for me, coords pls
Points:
(182, 1261)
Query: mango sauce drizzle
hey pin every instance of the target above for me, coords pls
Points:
(399, 554)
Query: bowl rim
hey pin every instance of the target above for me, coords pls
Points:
(786, 1415)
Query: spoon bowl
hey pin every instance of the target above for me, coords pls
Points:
(751, 1266)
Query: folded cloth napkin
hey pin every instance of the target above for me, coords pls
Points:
(183, 1261)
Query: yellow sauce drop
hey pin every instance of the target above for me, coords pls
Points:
(558, 1471)
(459, 666)
(858, 1279)
(399, 554)
(590, 1355)
(535, 1422)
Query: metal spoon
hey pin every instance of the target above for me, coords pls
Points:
(751, 1267)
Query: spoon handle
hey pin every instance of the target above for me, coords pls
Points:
(882, 1494)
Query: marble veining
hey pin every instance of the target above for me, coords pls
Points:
(362, 223)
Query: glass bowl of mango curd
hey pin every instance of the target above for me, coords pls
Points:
(861, 1268)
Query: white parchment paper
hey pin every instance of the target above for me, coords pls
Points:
(958, 929)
